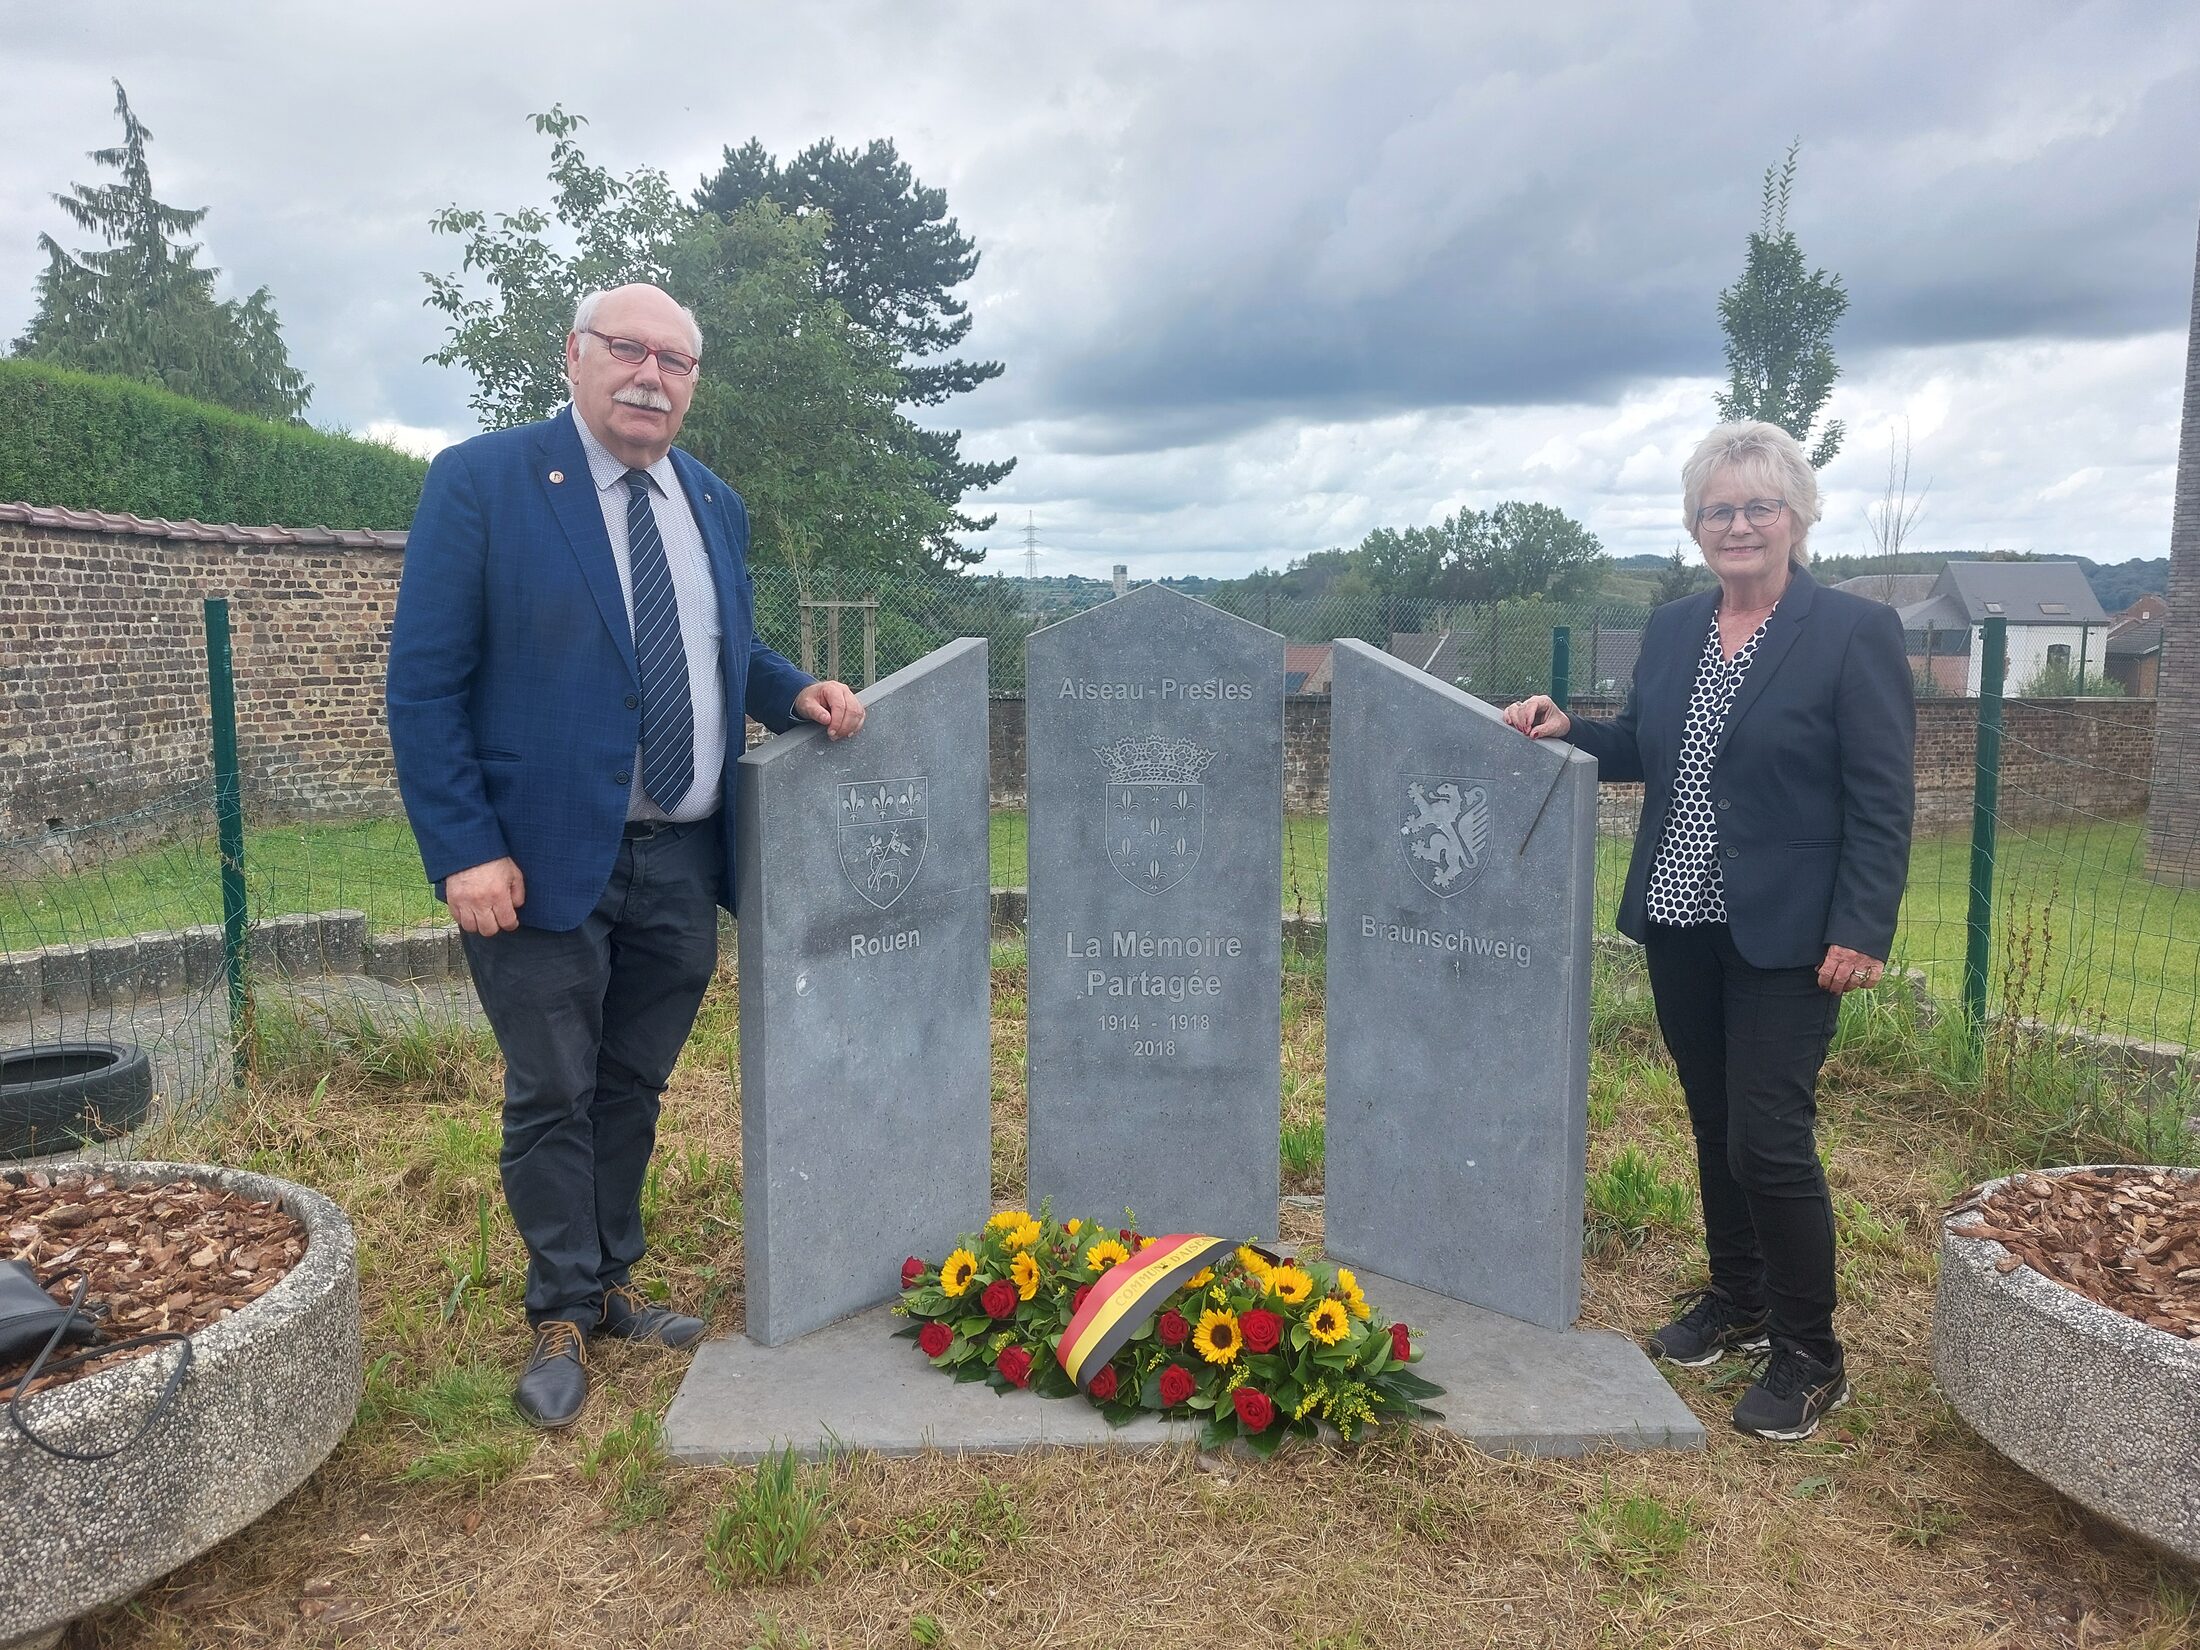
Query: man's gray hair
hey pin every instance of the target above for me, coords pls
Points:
(1769, 462)
(584, 317)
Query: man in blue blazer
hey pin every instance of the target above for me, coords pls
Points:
(573, 655)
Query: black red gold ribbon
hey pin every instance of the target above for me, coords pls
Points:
(1129, 1293)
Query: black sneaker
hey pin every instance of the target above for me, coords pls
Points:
(1791, 1393)
(1709, 1327)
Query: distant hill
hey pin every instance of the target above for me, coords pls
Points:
(2116, 585)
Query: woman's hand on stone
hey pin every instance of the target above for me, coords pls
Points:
(1846, 970)
(1539, 717)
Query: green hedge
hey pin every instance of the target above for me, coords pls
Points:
(91, 443)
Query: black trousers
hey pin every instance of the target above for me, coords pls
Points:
(1749, 1043)
(590, 1022)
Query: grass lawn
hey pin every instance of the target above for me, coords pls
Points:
(2081, 936)
(441, 1518)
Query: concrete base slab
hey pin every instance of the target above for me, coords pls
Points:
(1510, 1388)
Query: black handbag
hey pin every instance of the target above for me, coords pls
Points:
(30, 1317)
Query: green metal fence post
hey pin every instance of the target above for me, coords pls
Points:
(229, 821)
(1985, 799)
(1562, 649)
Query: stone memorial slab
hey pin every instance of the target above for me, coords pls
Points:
(1509, 1388)
(1461, 876)
(1154, 739)
(865, 950)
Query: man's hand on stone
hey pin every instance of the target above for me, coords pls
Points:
(485, 899)
(833, 704)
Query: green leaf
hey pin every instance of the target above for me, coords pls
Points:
(973, 1326)
(1263, 1444)
(971, 1371)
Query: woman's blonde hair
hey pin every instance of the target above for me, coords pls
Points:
(1769, 461)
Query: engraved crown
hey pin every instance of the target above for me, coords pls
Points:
(1154, 760)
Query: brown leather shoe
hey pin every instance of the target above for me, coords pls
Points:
(628, 1317)
(554, 1385)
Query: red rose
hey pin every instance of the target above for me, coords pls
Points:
(1173, 1328)
(1176, 1386)
(935, 1338)
(1126, 1234)
(1261, 1330)
(1077, 1301)
(1254, 1411)
(1401, 1342)
(911, 1270)
(1015, 1363)
(1103, 1385)
(999, 1299)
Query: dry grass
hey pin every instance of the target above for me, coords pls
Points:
(442, 1520)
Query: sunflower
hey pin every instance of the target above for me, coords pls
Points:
(1200, 1281)
(1216, 1339)
(1023, 1271)
(1355, 1299)
(1074, 1227)
(1023, 1234)
(1327, 1323)
(1105, 1254)
(1290, 1284)
(1254, 1267)
(956, 1271)
(1006, 1218)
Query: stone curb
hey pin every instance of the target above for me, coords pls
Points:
(2098, 1405)
(70, 979)
(271, 1390)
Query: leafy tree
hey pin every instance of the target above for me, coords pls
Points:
(1778, 321)
(1521, 549)
(512, 338)
(892, 258)
(796, 405)
(144, 308)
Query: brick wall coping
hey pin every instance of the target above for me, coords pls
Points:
(128, 526)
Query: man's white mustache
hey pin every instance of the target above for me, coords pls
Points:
(653, 400)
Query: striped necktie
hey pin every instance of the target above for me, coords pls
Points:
(668, 705)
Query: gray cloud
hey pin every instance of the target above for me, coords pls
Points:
(1226, 246)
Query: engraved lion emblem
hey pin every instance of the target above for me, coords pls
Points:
(1446, 833)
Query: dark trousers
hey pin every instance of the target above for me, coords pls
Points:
(1749, 1043)
(590, 1022)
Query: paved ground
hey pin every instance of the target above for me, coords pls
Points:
(1509, 1388)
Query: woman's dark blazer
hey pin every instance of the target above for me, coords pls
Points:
(1813, 785)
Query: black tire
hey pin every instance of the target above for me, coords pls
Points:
(56, 1096)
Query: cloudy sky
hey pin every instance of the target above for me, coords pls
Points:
(1266, 276)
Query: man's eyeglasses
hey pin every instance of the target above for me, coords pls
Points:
(1758, 512)
(633, 352)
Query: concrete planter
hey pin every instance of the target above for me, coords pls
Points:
(271, 1390)
(2100, 1406)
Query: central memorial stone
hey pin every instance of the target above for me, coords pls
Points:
(1154, 1057)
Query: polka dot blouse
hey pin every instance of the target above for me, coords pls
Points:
(1685, 890)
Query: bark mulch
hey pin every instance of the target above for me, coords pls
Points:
(2127, 1239)
(170, 1256)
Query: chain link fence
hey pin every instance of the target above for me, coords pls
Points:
(2035, 903)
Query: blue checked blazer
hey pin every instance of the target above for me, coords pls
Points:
(1813, 781)
(514, 700)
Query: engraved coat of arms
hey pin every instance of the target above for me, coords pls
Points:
(1156, 809)
(1447, 832)
(882, 836)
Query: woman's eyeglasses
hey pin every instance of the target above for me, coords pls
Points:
(1758, 512)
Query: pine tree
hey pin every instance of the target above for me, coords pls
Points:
(144, 307)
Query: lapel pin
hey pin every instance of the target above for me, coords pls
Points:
(556, 476)
(706, 498)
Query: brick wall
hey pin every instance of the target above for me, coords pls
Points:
(103, 695)
(103, 706)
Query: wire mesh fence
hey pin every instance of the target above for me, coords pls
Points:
(2080, 920)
